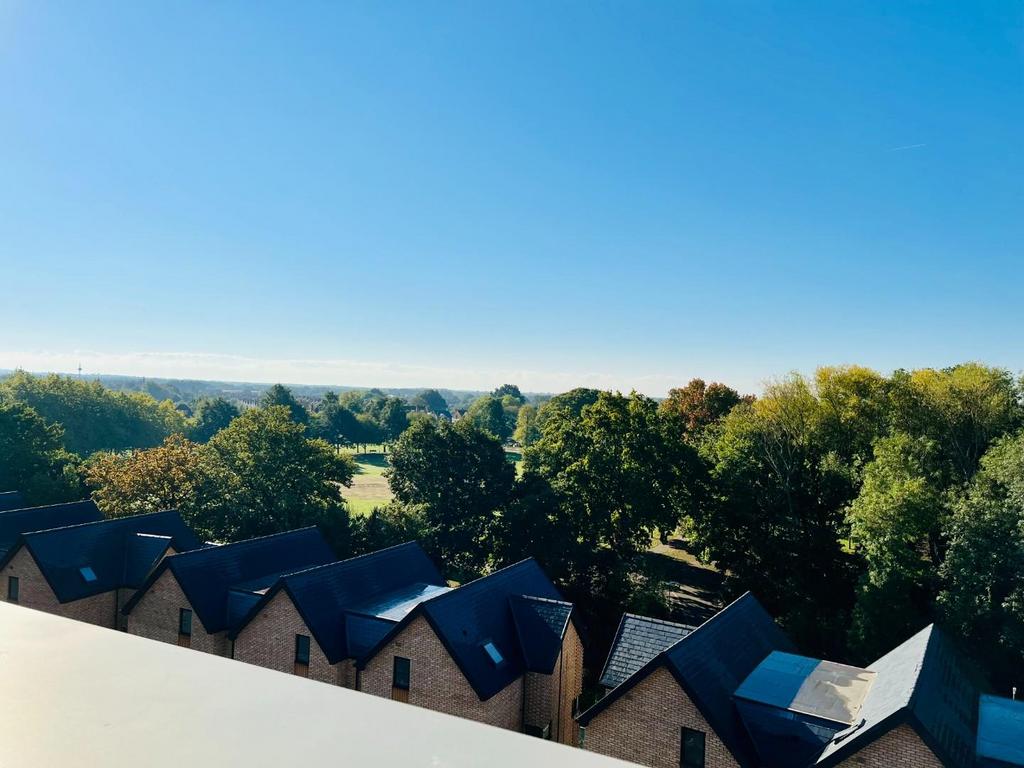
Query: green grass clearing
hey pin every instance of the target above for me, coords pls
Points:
(369, 486)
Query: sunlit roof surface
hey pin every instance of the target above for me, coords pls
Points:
(396, 605)
(809, 686)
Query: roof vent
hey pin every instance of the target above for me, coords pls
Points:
(493, 653)
(88, 574)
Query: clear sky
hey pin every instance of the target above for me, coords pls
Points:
(550, 193)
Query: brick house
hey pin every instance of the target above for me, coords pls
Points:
(318, 622)
(638, 640)
(15, 522)
(732, 693)
(88, 571)
(194, 598)
(676, 708)
(503, 650)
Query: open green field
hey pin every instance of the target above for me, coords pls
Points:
(369, 486)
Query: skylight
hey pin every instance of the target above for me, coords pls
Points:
(88, 574)
(493, 653)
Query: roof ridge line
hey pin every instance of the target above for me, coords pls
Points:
(45, 506)
(353, 559)
(221, 547)
(101, 522)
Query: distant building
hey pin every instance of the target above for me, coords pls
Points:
(195, 598)
(90, 570)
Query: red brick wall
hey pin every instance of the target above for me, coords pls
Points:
(436, 682)
(645, 726)
(268, 640)
(35, 592)
(549, 698)
(156, 616)
(899, 748)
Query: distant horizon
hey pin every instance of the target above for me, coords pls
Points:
(169, 366)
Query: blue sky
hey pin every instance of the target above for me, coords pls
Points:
(554, 193)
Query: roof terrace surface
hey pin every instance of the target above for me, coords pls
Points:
(822, 689)
(396, 605)
(1001, 730)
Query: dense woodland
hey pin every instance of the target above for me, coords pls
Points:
(857, 506)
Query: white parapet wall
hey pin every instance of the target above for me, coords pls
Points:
(84, 696)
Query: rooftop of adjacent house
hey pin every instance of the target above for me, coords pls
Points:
(396, 605)
(90, 558)
(710, 663)
(822, 689)
(926, 681)
(11, 500)
(223, 582)
(1000, 732)
(14, 522)
(497, 627)
(638, 640)
(350, 604)
(126, 701)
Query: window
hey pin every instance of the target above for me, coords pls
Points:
(88, 574)
(184, 622)
(12, 588)
(302, 649)
(400, 675)
(493, 653)
(691, 752)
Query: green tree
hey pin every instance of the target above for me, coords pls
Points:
(963, 409)
(617, 473)
(179, 474)
(895, 525)
(699, 405)
(457, 478)
(527, 431)
(488, 414)
(337, 424)
(432, 401)
(93, 417)
(210, 416)
(281, 395)
(34, 460)
(510, 391)
(983, 594)
(278, 480)
(777, 513)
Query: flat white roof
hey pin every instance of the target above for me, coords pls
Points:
(79, 695)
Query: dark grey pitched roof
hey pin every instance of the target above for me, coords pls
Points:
(11, 500)
(710, 663)
(923, 683)
(540, 626)
(1000, 732)
(326, 595)
(638, 640)
(222, 582)
(110, 548)
(480, 614)
(15, 522)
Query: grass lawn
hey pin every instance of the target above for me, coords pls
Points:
(369, 486)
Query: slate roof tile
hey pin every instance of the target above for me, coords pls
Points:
(14, 522)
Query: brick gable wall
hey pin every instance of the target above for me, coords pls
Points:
(268, 640)
(549, 698)
(899, 748)
(645, 726)
(436, 682)
(156, 616)
(35, 592)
